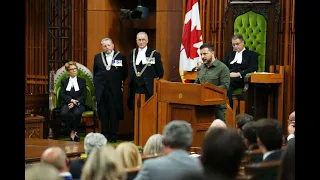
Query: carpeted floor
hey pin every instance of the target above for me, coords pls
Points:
(82, 135)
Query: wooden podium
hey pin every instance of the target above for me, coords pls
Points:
(193, 103)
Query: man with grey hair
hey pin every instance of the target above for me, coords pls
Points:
(145, 66)
(177, 139)
(91, 141)
(110, 70)
(42, 171)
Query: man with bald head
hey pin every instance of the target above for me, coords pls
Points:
(291, 125)
(58, 158)
(145, 66)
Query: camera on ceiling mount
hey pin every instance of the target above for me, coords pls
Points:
(140, 12)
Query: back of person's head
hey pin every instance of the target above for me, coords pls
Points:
(104, 163)
(178, 134)
(242, 119)
(287, 167)
(42, 171)
(222, 152)
(218, 123)
(269, 134)
(55, 156)
(249, 133)
(129, 154)
(154, 145)
(93, 140)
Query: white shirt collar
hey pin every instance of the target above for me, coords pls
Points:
(73, 82)
(265, 155)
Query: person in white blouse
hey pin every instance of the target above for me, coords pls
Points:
(240, 62)
(72, 97)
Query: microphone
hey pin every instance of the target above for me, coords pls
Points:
(171, 72)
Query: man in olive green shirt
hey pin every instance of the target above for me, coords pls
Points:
(215, 72)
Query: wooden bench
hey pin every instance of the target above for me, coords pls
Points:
(263, 170)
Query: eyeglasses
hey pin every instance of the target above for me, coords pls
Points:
(141, 40)
(235, 44)
(73, 69)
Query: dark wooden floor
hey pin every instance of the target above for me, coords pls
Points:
(35, 147)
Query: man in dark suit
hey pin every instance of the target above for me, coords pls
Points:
(269, 138)
(145, 66)
(240, 62)
(73, 97)
(110, 70)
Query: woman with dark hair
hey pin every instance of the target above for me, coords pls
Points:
(73, 96)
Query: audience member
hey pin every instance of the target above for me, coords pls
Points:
(129, 154)
(269, 138)
(58, 158)
(242, 119)
(222, 152)
(42, 171)
(91, 141)
(291, 125)
(249, 135)
(218, 123)
(177, 141)
(154, 145)
(287, 167)
(103, 163)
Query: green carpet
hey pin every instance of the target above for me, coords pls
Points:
(82, 135)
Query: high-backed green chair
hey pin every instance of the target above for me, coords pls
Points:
(89, 115)
(253, 27)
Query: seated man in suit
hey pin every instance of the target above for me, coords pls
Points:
(269, 138)
(177, 141)
(240, 62)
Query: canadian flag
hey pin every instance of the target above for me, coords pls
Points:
(191, 39)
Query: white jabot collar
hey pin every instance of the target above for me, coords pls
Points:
(109, 58)
(73, 82)
(141, 56)
(238, 57)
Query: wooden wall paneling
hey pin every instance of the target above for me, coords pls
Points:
(169, 36)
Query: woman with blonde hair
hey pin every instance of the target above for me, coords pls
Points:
(103, 164)
(154, 145)
(129, 154)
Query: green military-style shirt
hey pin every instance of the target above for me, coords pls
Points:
(217, 74)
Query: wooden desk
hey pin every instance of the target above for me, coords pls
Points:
(33, 126)
(35, 147)
(269, 80)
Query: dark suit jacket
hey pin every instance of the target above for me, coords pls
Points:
(76, 168)
(273, 156)
(111, 79)
(66, 96)
(151, 72)
(249, 62)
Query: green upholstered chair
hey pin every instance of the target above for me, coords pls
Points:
(253, 27)
(89, 115)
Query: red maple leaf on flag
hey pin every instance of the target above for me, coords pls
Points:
(191, 37)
